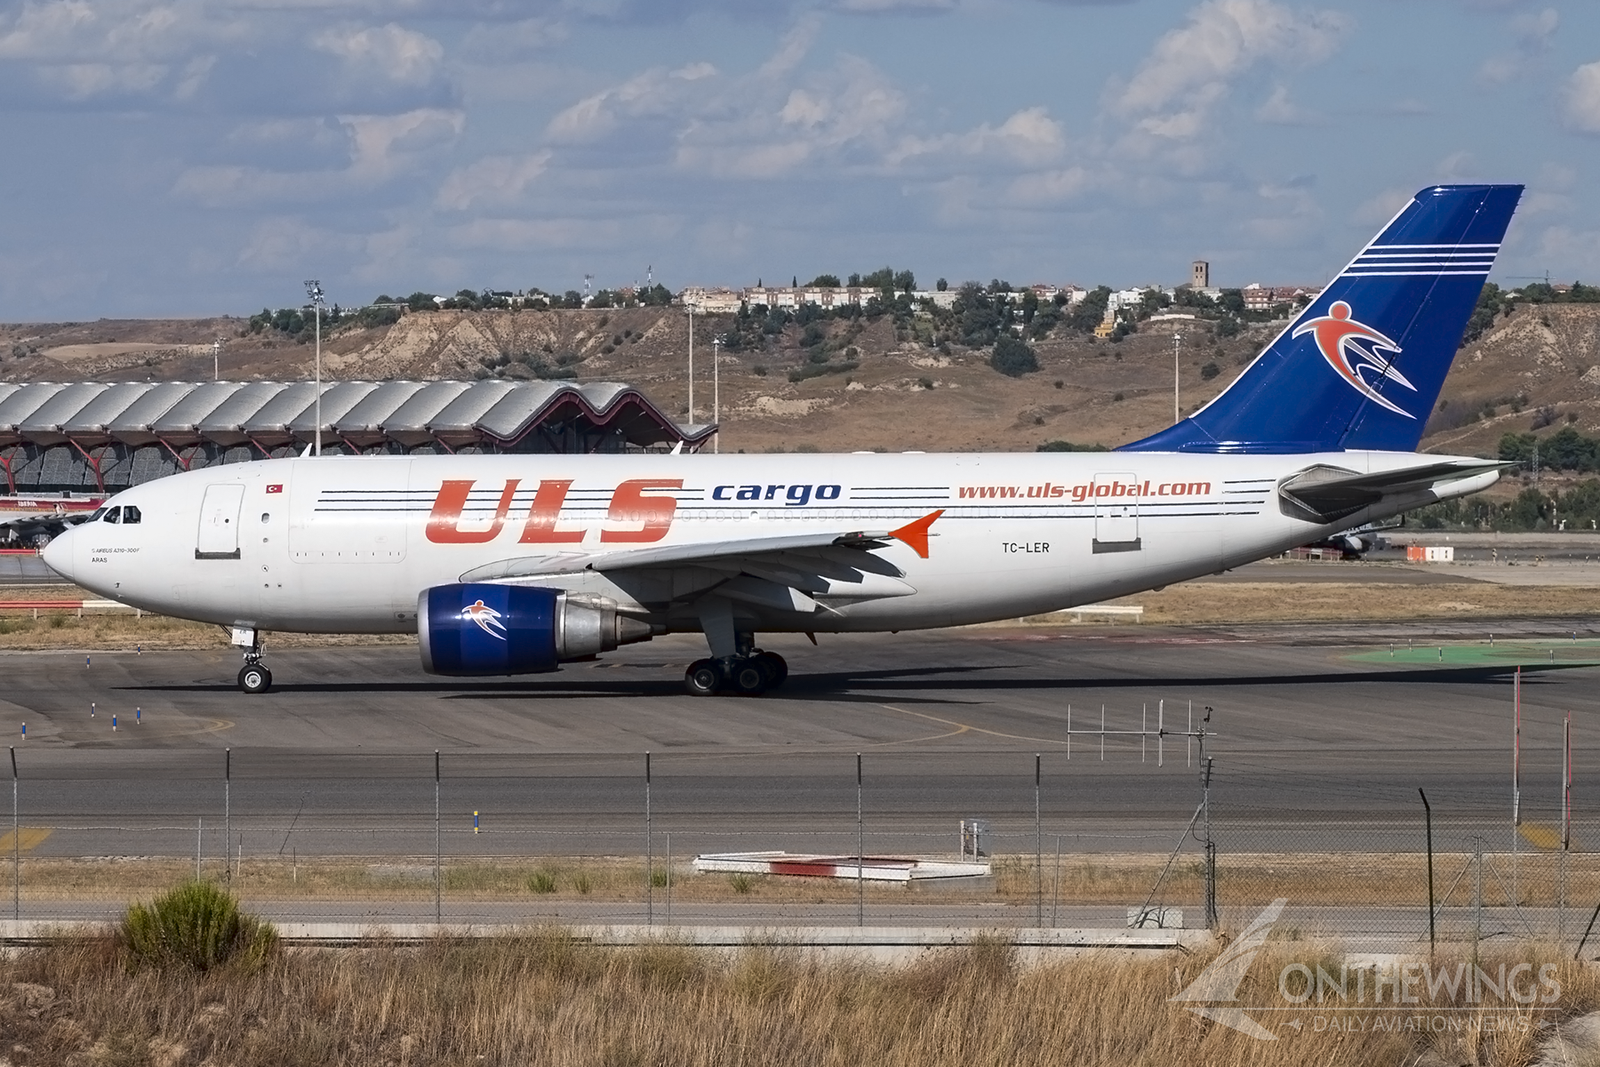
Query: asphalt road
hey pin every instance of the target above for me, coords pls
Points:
(1321, 741)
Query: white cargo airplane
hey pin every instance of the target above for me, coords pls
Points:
(512, 564)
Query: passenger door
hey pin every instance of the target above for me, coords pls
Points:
(1116, 512)
(218, 536)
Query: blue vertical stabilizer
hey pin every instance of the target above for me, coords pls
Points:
(1362, 366)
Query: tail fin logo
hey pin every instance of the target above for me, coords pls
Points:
(486, 618)
(1356, 352)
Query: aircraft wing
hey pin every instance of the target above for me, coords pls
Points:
(1325, 493)
(786, 572)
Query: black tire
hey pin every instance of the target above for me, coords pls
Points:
(254, 678)
(777, 668)
(750, 677)
(703, 678)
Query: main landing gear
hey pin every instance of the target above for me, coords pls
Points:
(253, 676)
(747, 675)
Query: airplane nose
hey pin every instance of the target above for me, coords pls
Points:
(57, 555)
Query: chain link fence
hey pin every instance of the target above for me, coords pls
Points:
(624, 839)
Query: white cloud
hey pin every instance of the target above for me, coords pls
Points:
(1531, 37)
(1378, 209)
(393, 52)
(1583, 98)
(84, 50)
(1030, 137)
(1191, 69)
(283, 243)
(491, 180)
(379, 149)
(1279, 110)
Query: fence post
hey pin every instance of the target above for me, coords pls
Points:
(861, 892)
(16, 844)
(1038, 849)
(1477, 905)
(1427, 815)
(1212, 921)
(227, 810)
(438, 872)
(649, 855)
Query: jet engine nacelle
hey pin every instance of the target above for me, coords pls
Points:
(511, 629)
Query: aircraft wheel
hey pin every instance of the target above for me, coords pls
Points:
(777, 668)
(751, 677)
(254, 678)
(703, 678)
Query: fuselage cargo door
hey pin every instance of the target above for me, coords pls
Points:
(218, 537)
(1116, 512)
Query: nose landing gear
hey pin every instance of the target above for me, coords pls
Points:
(253, 676)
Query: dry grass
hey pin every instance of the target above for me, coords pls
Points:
(122, 632)
(1345, 879)
(1205, 603)
(546, 999)
(1196, 603)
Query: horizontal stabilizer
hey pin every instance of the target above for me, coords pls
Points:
(1324, 494)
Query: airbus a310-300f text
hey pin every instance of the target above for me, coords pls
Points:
(510, 564)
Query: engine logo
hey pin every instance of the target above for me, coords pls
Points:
(486, 618)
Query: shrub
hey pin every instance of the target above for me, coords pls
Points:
(741, 883)
(581, 883)
(658, 878)
(926, 383)
(759, 370)
(542, 882)
(1013, 358)
(1210, 371)
(1117, 397)
(196, 925)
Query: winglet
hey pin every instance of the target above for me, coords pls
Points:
(915, 534)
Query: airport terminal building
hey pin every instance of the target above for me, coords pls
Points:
(95, 437)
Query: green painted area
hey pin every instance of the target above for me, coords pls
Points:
(1584, 652)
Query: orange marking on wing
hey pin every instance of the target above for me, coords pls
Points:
(915, 534)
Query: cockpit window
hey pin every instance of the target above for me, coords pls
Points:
(114, 515)
(130, 515)
(99, 513)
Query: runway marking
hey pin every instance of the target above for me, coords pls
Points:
(31, 837)
(960, 728)
(1540, 835)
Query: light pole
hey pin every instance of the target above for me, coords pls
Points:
(1177, 343)
(314, 291)
(691, 364)
(716, 393)
(216, 360)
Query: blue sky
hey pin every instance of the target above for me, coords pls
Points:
(184, 157)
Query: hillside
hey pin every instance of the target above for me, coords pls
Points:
(901, 394)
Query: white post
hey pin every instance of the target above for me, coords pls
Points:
(716, 393)
(314, 291)
(691, 364)
(1177, 343)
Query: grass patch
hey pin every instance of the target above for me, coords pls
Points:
(545, 998)
(197, 925)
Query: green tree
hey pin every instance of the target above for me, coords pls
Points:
(825, 281)
(1091, 310)
(1013, 358)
